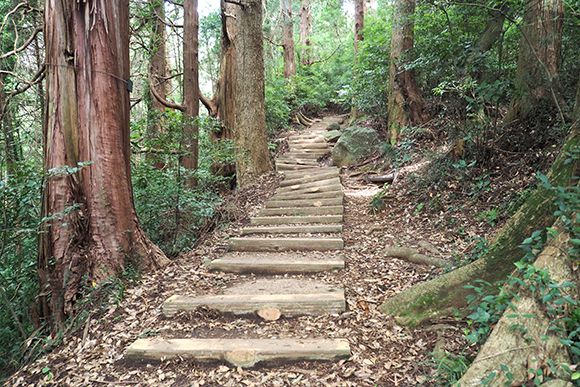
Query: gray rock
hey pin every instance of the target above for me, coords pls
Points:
(355, 144)
(333, 126)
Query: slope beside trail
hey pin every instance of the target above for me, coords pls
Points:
(285, 294)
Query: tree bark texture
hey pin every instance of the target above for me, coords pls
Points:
(438, 296)
(539, 58)
(519, 349)
(91, 231)
(305, 32)
(190, 87)
(359, 18)
(288, 39)
(405, 102)
(158, 70)
(251, 142)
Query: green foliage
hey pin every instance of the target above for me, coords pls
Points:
(449, 367)
(20, 206)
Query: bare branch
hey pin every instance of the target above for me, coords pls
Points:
(163, 101)
(16, 50)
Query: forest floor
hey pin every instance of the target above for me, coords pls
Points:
(383, 352)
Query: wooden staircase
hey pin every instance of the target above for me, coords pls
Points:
(304, 216)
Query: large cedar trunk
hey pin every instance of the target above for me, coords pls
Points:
(288, 39)
(405, 103)
(539, 58)
(251, 142)
(438, 297)
(305, 31)
(190, 87)
(158, 73)
(91, 231)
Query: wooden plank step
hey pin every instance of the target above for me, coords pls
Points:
(324, 182)
(308, 145)
(334, 201)
(309, 196)
(287, 160)
(289, 305)
(325, 219)
(291, 167)
(337, 188)
(285, 244)
(308, 178)
(306, 152)
(311, 172)
(300, 229)
(239, 352)
(328, 210)
(274, 263)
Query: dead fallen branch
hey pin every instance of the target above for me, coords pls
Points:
(380, 179)
(413, 256)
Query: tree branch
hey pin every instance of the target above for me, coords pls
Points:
(209, 104)
(24, 45)
(163, 101)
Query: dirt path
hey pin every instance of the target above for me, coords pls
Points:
(363, 346)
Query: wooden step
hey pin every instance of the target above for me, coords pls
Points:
(324, 219)
(335, 201)
(239, 352)
(309, 196)
(289, 305)
(303, 193)
(328, 210)
(291, 167)
(308, 152)
(285, 244)
(323, 182)
(308, 145)
(274, 263)
(310, 172)
(284, 160)
(300, 229)
(308, 178)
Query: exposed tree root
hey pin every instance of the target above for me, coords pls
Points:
(440, 295)
(522, 338)
(412, 255)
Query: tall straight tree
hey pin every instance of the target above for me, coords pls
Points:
(158, 72)
(539, 58)
(359, 19)
(190, 86)
(305, 31)
(251, 142)
(91, 230)
(288, 39)
(191, 94)
(405, 103)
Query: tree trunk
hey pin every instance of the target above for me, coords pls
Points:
(158, 73)
(538, 59)
(438, 296)
(91, 230)
(405, 103)
(533, 342)
(492, 32)
(190, 87)
(305, 31)
(359, 17)
(251, 142)
(288, 39)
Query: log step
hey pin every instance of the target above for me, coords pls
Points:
(335, 201)
(336, 189)
(308, 178)
(328, 210)
(297, 161)
(274, 263)
(285, 244)
(308, 145)
(326, 219)
(239, 352)
(313, 304)
(311, 171)
(291, 167)
(322, 182)
(319, 228)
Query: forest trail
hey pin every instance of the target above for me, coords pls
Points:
(305, 215)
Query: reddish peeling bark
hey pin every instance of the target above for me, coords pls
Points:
(305, 31)
(190, 86)
(405, 104)
(91, 231)
(288, 39)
